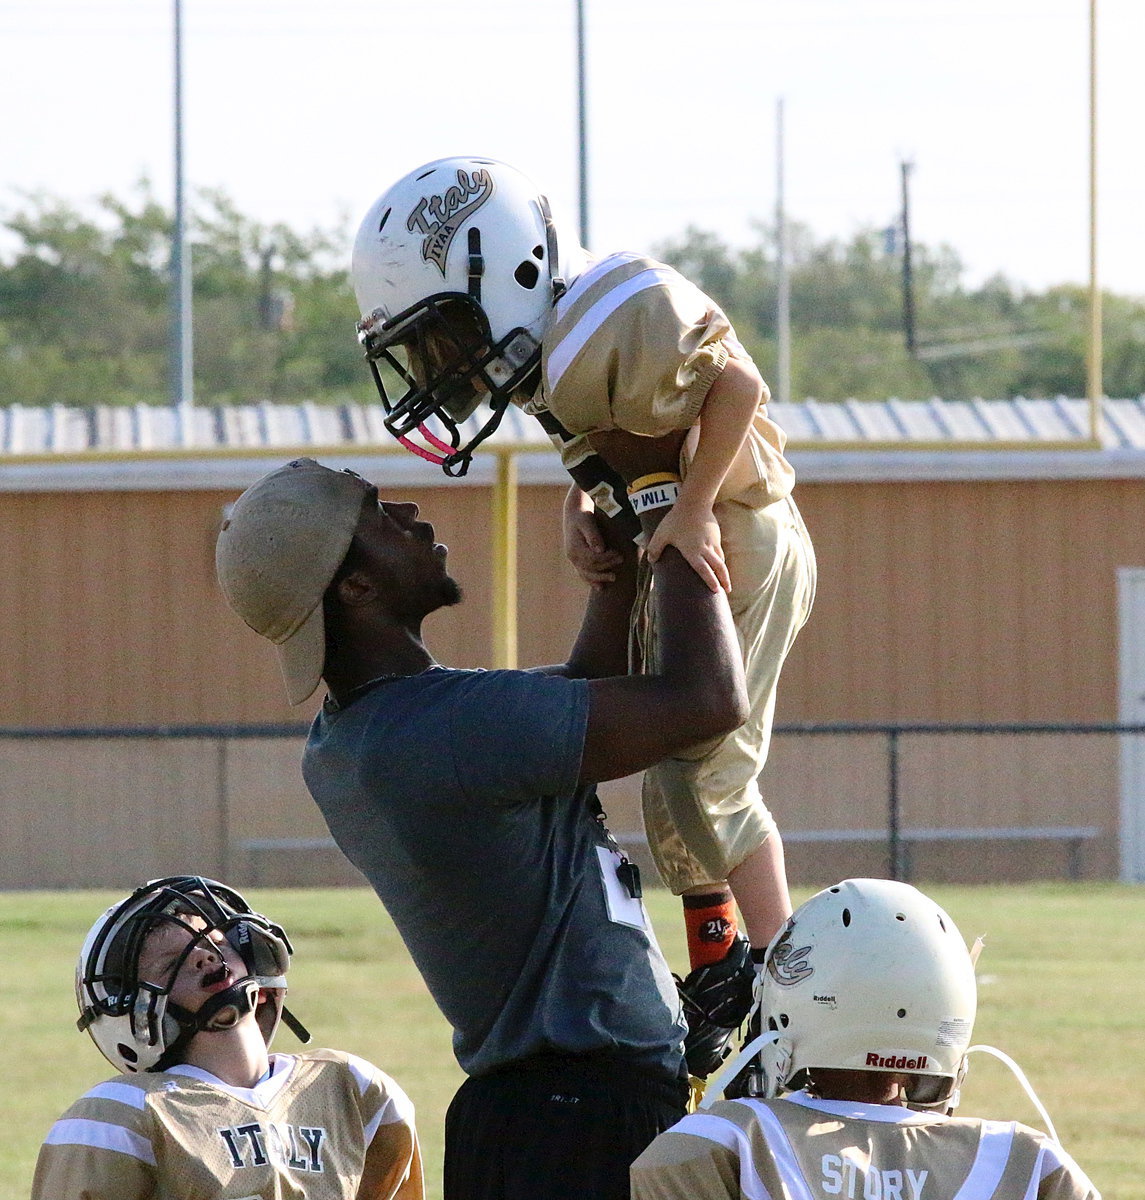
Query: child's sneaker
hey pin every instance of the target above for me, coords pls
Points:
(716, 998)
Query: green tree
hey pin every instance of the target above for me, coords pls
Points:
(993, 341)
(85, 312)
(85, 309)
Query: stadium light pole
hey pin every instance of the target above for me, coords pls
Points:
(182, 352)
(905, 168)
(783, 297)
(1094, 384)
(582, 125)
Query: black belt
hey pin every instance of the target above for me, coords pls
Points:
(599, 1062)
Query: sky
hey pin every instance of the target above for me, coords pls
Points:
(303, 112)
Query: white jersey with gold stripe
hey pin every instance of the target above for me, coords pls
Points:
(799, 1148)
(321, 1125)
(633, 345)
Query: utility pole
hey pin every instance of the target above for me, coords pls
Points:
(582, 124)
(1094, 385)
(182, 352)
(783, 296)
(907, 276)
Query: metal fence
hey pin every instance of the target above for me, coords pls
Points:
(104, 807)
(1072, 789)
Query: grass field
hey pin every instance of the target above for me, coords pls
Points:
(1061, 986)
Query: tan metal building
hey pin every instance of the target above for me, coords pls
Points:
(956, 586)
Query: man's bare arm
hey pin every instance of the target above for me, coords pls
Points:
(696, 690)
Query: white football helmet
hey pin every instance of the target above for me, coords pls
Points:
(869, 975)
(455, 268)
(133, 1021)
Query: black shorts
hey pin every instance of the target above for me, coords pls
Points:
(555, 1128)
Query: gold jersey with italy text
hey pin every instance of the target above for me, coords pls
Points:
(800, 1148)
(633, 345)
(322, 1125)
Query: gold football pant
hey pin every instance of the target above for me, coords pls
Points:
(703, 811)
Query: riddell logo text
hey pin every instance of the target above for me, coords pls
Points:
(896, 1062)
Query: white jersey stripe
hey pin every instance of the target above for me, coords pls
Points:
(575, 340)
(122, 1093)
(590, 277)
(373, 1126)
(1053, 1156)
(994, 1145)
(79, 1132)
(853, 1110)
(362, 1072)
(729, 1135)
(786, 1160)
(1036, 1176)
(397, 1109)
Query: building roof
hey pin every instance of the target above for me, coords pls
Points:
(146, 447)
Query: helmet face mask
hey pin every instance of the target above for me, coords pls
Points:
(456, 267)
(441, 366)
(134, 1021)
(869, 975)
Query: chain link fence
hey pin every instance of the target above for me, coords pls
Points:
(937, 802)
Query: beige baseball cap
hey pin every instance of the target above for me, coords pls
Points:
(277, 552)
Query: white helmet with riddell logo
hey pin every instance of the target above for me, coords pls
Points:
(132, 1020)
(455, 268)
(869, 975)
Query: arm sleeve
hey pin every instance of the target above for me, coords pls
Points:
(680, 1166)
(516, 735)
(673, 353)
(1061, 1178)
(646, 367)
(392, 1169)
(93, 1154)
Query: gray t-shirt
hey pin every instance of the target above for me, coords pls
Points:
(455, 793)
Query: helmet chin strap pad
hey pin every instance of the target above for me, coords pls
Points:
(219, 1013)
(225, 1009)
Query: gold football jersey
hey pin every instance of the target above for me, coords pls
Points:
(322, 1125)
(798, 1148)
(633, 345)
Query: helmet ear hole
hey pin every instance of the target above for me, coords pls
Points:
(527, 275)
(539, 253)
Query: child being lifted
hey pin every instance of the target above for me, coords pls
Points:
(471, 295)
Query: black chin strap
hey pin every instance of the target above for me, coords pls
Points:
(556, 268)
(225, 1009)
(295, 1025)
(221, 1012)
